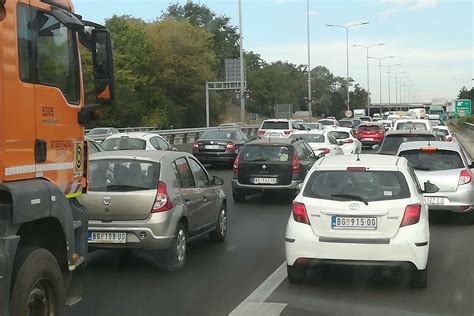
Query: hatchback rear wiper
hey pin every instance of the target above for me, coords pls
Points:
(421, 168)
(258, 159)
(126, 186)
(351, 197)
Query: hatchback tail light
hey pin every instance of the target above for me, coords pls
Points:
(465, 177)
(296, 163)
(236, 165)
(230, 146)
(299, 213)
(349, 141)
(260, 132)
(162, 200)
(412, 215)
(195, 146)
(325, 150)
(287, 133)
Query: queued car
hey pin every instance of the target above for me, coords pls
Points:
(446, 132)
(310, 126)
(388, 125)
(393, 140)
(370, 133)
(393, 117)
(411, 124)
(153, 201)
(271, 165)
(443, 164)
(277, 128)
(219, 146)
(93, 146)
(365, 118)
(321, 142)
(98, 134)
(328, 122)
(360, 210)
(136, 141)
(350, 123)
(350, 143)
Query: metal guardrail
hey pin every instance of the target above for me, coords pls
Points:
(185, 135)
(469, 126)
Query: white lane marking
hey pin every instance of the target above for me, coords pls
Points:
(255, 304)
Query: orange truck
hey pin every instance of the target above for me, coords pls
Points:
(43, 156)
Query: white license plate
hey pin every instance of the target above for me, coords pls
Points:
(107, 237)
(350, 222)
(264, 180)
(211, 146)
(368, 139)
(434, 200)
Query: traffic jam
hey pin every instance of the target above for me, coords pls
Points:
(362, 189)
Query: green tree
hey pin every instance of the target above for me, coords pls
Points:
(466, 94)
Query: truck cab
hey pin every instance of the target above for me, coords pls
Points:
(43, 155)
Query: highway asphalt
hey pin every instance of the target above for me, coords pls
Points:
(246, 275)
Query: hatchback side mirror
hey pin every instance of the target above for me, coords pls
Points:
(430, 187)
(217, 181)
(471, 166)
(376, 147)
(174, 149)
(299, 187)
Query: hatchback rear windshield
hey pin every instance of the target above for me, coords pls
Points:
(368, 128)
(340, 135)
(266, 153)
(433, 160)
(122, 175)
(310, 138)
(365, 119)
(345, 123)
(275, 125)
(218, 135)
(99, 131)
(411, 125)
(444, 131)
(326, 122)
(124, 144)
(357, 185)
(393, 142)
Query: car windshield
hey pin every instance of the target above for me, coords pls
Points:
(345, 123)
(122, 175)
(226, 135)
(433, 160)
(275, 125)
(411, 126)
(326, 122)
(310, 138)
(269, 153)
(368, 128)
(391, 143)
(124, 143)
(367, 185)
(340, 134)
(98, 131)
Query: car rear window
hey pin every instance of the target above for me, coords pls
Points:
(345, 123)
(368, 128)
(391, 143)
(123, 175)
(340, 135)
(433, 160)
(266, 153)
(326, 122)
(444, 131)
(98, 131)
(275, 125)
(411, 125)
(365, 119)
(366, 185)
(124, 143)
(219, 135)
(310, 138)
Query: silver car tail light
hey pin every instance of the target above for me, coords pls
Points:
(162, 201)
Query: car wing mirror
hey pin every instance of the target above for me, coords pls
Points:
(471, 166)
(217, 181)
(299, 187)
(376, 147)
(174, 149)
(430, 187)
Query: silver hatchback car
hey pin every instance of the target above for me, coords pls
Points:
(443, 164)
(153, 200)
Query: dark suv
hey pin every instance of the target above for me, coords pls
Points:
(393, 140)
(271, 164)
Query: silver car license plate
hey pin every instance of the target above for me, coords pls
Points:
(434, 200)
(264, 180)
(350, 222)
(107, 237)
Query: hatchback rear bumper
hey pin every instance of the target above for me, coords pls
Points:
(411, 244)
(215, 157)
(291, 186)
(459, 201)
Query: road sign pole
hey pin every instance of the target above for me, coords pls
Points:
(242, 91)
(207, 104)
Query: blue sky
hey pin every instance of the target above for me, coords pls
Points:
(432, 40)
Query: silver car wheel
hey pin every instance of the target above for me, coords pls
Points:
(181, 245)
(223, 222)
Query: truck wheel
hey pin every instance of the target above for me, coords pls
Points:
(38, 284)
(219, 233)
(175, 256)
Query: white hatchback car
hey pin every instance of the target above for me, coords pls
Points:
(351, 145)
(321, 142)
(359, 209)
(136, 141)
(413, 125)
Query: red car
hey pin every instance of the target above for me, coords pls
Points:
(370, 134)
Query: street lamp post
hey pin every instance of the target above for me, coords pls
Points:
(368, 81)
(309, 63)
(380, 75)
(242, 88)
(396, 85)
(400, 87)
(347, 52)
(388, 68)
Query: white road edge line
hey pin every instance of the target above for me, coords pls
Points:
(255, 304)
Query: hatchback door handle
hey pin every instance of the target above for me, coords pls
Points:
(187, 201)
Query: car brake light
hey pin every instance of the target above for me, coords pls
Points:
(356, 169)
(428, 149)
(465, 177)
(411, 215)
(296, 163)
(195, 146)
(325, 150)
(162, 200)
(236, 165)
(287, 133)
(449, 138)
(299, 213)
(349, 141)
(260, 132)
(230, 146)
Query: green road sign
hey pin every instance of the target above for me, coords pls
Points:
(463, 107)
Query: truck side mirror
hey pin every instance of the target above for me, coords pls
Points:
(103, 65)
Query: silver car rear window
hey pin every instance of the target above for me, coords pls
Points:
(275, 125)
(271, 153)
(122, 175)
(124, 143)
(411, 125)
(433, 160)
(350, 185)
